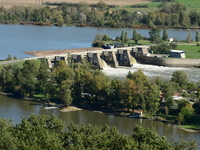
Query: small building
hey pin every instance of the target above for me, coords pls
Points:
(177, 54)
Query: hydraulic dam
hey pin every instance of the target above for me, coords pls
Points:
(98, 57)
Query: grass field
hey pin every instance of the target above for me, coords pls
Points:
(153, 6)
(190, 3)
(191, 51)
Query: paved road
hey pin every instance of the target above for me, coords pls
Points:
(11, 61)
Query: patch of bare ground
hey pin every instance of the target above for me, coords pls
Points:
(10, 3)
(70, 108)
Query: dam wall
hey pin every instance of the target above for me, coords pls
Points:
(99, 59)
(170, 62)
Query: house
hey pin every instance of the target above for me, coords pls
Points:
(177, 54)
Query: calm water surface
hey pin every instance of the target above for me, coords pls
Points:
(16, 109)
(16, 39)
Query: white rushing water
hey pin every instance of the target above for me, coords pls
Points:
(152, 71)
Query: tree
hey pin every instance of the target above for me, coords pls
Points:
(194, 17)
(186, 114)
(126, 37)
(188, 38)
(44, 78)
(139, 77)
(122, 37)
(147, 138)
(197, 36)
(105, 37)
(153, 99)
(26, 79)
(135, 36)
(165, 35)
(65, 92)
(181, 78)
(129, 94)
(168, 90)
(102, 6)
(9, 57)
(39, 132)
(154, 35)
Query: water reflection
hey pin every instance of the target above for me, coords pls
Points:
(15, 109)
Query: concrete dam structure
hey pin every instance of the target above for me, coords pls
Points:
(115, 57)
(99, 59)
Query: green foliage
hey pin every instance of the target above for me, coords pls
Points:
(139, 77)
(149, 139)
(154, 35)
(102, 6)
(181, 78)
(45, 132)
(197, 37)
(83, 14)
(186, 114)
(9, 57)
(165, 35)
(188, 38)
(135, 36)
(162, 48)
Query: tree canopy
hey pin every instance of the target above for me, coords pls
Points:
(45, 132)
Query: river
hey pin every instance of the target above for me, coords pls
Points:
(16, 109)
(15, 39)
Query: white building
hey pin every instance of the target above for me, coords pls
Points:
(177, 53)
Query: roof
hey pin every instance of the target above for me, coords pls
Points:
(177, 51)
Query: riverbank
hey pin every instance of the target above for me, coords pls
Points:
(85, 25)
(121, 113)
(189, 128)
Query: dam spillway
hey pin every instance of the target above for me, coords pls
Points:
(96, 56)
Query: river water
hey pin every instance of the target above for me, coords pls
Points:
(16, 109)
(15, 39)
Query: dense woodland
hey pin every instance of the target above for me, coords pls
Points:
(80, 85)
(46, 132)
(174, 15)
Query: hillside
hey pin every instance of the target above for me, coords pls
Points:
(10, 3)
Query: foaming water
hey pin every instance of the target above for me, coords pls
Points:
(152, 71)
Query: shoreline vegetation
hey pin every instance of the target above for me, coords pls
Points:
(187, 128)
(179, 14)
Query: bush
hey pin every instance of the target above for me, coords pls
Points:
(98, 44)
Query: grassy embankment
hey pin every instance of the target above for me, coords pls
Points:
(190, 128)
(20, 64)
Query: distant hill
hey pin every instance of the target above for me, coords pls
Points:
(11, 3)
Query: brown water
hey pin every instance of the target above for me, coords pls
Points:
(16, 109)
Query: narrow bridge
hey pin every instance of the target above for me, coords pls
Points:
(97, 56)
